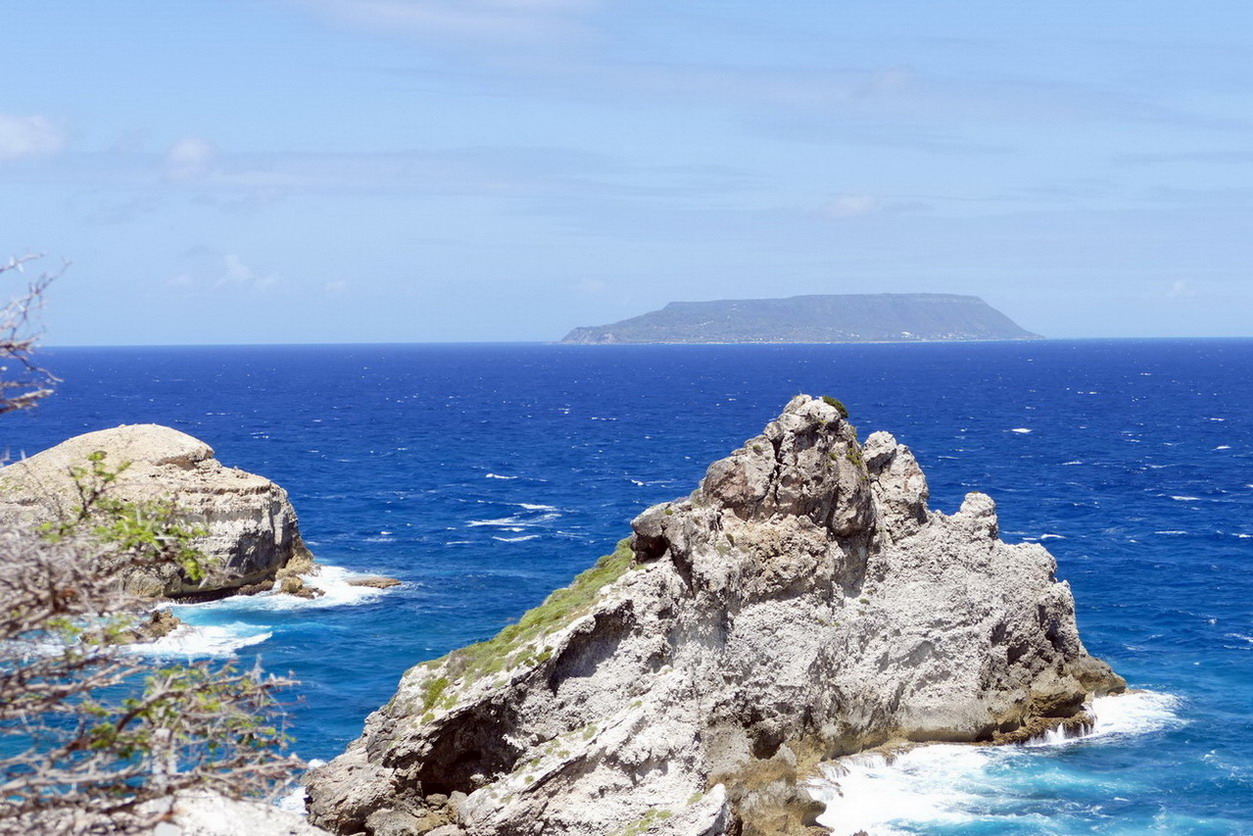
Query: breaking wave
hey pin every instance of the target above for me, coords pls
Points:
(957, 786)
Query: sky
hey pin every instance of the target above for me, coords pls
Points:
(314, 171)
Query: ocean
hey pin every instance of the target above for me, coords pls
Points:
(485, 475)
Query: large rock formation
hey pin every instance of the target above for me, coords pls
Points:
(802, 604)
(251, 527)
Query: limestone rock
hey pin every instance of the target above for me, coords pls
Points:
(158, 624)
(211, 814)
(802, 604)
(252, 529)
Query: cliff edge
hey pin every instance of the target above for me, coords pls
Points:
(803, 603)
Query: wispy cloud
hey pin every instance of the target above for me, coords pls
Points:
(1227, 157)
(29, 136)
(864, 205)
(1181, 289)
(190, 158)
(502, 20)
(210, 270)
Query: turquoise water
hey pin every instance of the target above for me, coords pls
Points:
(485, 475)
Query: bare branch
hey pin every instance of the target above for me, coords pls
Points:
(22, 381)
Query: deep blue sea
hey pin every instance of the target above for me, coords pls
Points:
(485, 475)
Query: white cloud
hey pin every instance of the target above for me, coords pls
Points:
(190, 158)
(491, 19)
(1181, 289)
(237, 274)
(853, 206)
(225, 272)
(864, 205)
(29, 136)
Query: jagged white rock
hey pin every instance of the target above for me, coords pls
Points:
(802, 604)
(251, 527)
(209, 814)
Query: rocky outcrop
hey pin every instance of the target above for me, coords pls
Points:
(804, 603)
(251, 530)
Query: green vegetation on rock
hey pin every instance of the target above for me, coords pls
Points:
(838, 404)
(511, 646)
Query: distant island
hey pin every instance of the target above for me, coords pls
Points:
(846, 318)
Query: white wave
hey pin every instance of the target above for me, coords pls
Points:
(515, 523)
(637, 483)
(499, 521)
(1248, 639)
(922, 785)
(497, 476)
(531, 506)
(1020, 430)
(1186, 498)
(199, 641)
(334, 581)
(293, 801)
(1052, 536)
(1223, 447)
(1071, 464)
(521, 539)
(1138, 712)
(953, 785)
(1172, 531)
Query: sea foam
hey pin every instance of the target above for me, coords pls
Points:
(193, 641)
(950, 785)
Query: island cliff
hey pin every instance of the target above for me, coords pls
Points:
(803, 603)
(853, 317)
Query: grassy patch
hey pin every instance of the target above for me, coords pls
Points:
(508, 648)
(835, 402)
(854, 455)
(646, 822)
(432, 691)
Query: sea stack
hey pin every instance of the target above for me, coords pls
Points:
(802, 604)
(251, 531)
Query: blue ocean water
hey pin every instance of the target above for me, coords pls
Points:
(483, 476)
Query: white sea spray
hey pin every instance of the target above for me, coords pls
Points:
(950, 785)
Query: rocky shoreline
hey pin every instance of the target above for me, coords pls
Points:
(802, 604)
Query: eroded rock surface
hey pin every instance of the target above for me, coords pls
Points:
(252, 532)
(802, 604)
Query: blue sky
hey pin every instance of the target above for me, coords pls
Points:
(257, 171)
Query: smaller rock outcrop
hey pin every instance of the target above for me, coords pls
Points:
(251, 529)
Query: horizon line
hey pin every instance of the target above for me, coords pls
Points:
(449, 343)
